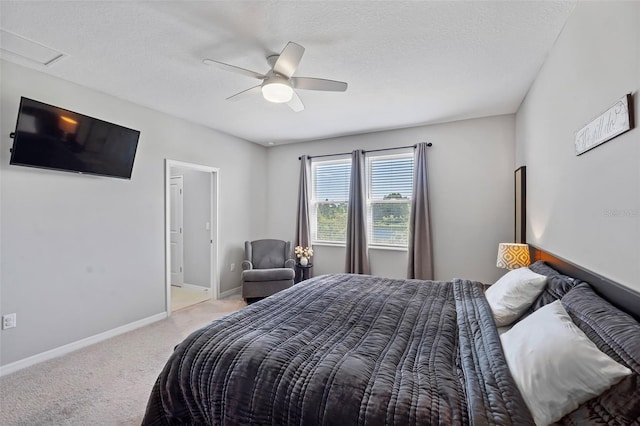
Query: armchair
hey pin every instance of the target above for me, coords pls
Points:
(267, 268)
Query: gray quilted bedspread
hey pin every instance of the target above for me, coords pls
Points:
(345, 350)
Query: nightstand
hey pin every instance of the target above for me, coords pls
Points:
(302, 272)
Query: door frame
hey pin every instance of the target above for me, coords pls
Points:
(214, 270)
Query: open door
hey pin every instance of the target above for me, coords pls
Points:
(176, 235)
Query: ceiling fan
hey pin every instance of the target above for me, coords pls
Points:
(278, 83)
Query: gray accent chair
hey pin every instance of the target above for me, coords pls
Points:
(267, 269)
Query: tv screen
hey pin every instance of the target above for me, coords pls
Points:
(54, 138)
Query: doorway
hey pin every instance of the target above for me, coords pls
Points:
(191, 234)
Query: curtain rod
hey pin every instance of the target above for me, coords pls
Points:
(371, 150)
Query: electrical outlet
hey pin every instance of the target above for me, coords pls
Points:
(8, 321)
(232, 268)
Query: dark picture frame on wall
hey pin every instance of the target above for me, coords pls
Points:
(520, 186)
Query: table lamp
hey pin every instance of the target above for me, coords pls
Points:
(513, 255)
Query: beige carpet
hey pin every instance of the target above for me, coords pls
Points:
(104, 384)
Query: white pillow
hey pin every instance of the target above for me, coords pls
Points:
(555, 365)
(512, 294)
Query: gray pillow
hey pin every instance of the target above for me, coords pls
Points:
(557, 286)
(617, 334)
(539, 267)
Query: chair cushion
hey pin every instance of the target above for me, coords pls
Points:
(264, 288)
(268, 254)
(275, 274)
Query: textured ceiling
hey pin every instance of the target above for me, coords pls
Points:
(407, 63)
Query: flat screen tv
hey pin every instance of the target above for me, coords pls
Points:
(55, 138)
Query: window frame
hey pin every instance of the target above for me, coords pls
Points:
(314, 202)
(370, 201)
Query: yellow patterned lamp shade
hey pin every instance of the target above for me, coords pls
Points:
(513, 256)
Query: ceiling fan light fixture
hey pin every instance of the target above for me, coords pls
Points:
(277, 90)
(278, 83)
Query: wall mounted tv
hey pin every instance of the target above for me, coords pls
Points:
(54, 138)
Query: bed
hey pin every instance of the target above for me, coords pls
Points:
(350, 349)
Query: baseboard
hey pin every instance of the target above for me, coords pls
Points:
(231, 292)
(74, 346)
(195, 287)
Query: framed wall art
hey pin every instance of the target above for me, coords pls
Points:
(615, 121)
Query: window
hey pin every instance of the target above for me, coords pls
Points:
(389, 184)
(389, 188)
(329, 199)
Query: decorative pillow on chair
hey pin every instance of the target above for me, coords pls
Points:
(512, 294)
(555, 365)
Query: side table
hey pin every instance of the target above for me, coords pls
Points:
(302, 272)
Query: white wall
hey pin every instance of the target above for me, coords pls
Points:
(585, 208)
(81, 255)
(197, 195)
(471, 193)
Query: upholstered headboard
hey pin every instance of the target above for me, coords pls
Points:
(618, 295)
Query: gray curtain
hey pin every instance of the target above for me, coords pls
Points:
(420, 253)
(357, 259)
(303, 230)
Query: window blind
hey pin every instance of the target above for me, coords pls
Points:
(329, 199)
(390, 184)
(389, 187)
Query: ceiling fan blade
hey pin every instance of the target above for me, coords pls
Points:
(235, 69)
(307, 83)
(296, 103)
(244, 93)
(289, 59)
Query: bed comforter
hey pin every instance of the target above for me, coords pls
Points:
(345, 350)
